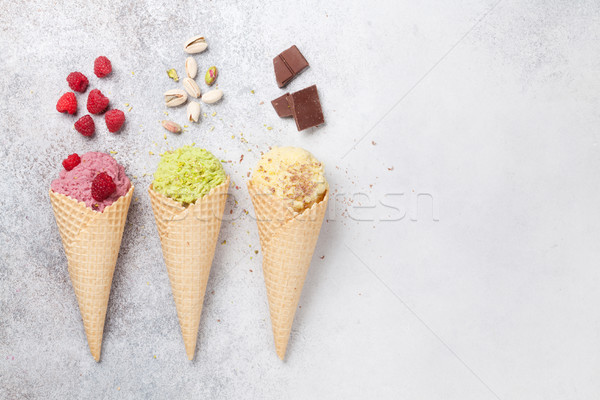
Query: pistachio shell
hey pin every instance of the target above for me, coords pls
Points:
(213, 96)
(191, 87)
(193, 111)
(191, 67)
(175, 97)
(196, 44)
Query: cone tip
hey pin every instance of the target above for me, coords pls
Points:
(190, 350)
(281, 353)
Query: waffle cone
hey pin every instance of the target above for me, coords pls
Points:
(288, 243)
(188, 236)
(91, 241)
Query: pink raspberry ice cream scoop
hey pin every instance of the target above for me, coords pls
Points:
(77, 183)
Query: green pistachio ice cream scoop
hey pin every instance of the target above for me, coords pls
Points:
(187, 174)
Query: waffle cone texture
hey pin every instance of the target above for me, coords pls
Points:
(91, 241)
(188, 237)
(288, 243)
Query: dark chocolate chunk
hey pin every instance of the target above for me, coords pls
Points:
(288, 65)
(282, 73)
(282, 106)
(306, 108)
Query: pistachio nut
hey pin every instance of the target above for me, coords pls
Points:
(211, 75)
(193, 111)
(213, 96)
(196, 44)
(191, 67)
(171, 126)
(191, 87)
(175, 97)
(173, 74)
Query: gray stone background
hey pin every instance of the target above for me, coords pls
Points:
(476, 120)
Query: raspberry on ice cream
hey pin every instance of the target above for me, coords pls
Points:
(71, 162)
(102, 186)
(77, 183)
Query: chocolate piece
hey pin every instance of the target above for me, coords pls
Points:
(282, 106)
(288, 65)
(306, 108)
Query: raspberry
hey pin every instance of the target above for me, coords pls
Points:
(102, 67)
(85, 125)
(67, 103)
(77, 81)
(71, 162)
(103, 186)
(114, 120)
(96, 102)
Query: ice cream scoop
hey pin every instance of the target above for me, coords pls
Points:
(77, 182)
(291, 173)
(187, 174)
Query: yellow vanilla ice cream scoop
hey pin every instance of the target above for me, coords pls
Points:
(291, 173)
